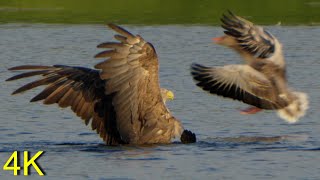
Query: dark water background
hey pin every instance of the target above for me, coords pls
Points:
(230, 145)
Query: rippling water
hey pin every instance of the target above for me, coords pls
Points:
(230, 145)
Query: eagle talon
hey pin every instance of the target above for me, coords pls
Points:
(188, 137)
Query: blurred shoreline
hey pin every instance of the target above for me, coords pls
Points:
(159, 12)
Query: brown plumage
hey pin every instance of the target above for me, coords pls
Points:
(261, 81)
(121, 97)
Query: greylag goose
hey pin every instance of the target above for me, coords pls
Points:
(261, 81)
(121, 97)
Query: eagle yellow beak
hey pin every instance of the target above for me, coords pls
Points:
(170, 95)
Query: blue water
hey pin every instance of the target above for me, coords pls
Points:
(230, 145)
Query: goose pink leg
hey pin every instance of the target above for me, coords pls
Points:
(250, 110)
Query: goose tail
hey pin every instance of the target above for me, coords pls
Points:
(296, 109)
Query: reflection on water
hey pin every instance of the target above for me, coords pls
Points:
(260, 139)
(230, 146)
(287, 12)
